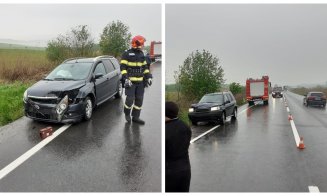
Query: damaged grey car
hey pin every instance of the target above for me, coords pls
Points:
(73, 89)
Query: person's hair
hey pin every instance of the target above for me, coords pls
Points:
(171, 110)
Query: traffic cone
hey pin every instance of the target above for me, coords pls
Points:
(290, 117)
(301, 144)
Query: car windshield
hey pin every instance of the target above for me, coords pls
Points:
(70, 71)
(212, 98)
(277, 89)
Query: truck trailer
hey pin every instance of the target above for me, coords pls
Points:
(257, 90)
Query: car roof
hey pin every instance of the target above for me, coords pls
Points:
(86, 59)
(218, 93)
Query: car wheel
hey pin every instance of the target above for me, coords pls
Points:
(88, 108)
(223, 118)
(324, 105)
(119, 90)
(234, 116)
(195, 123)
(250, 103)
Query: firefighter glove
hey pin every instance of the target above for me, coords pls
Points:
(149, 81)
(128, 83)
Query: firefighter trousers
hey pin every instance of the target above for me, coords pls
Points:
(134, 99)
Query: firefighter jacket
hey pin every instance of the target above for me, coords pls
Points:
(133, 66)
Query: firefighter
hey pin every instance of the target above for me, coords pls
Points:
(135, 76)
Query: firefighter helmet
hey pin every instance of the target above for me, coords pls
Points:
(138, 41)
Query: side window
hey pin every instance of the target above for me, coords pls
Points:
(115, 62)
(110, 67)
(100, 69)
(226, 98)
(230, 97)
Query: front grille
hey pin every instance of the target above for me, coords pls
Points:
(202, 110)
(44, 101)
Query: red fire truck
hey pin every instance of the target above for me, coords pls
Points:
(257, 90)
(155, 50)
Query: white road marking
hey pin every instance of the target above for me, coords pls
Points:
(245, 109)
(13, 165)
(295, 132)
(314, 189)
(288, 110)
(205, 133)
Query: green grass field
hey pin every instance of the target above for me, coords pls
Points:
(11, 101)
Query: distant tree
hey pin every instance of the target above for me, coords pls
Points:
(115, 38)
(81, 41)
(76, 43)
(200, 74)
(235, 88)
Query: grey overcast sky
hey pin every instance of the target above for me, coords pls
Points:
(47, 21)
(288, 42)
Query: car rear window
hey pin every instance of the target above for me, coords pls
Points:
(317, 94)
(212, 98)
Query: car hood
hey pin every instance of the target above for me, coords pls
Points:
(204, 105)
(46, 88)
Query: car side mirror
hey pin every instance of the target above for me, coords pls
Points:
(98, 75)
(226, 102)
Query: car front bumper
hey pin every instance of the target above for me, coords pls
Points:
(205, 116)
(48, 113)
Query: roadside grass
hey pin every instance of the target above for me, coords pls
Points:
(23, 65)
(11, 101)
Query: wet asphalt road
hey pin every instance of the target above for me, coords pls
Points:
(258, 153)
(104, 154)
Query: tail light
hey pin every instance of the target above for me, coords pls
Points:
(311, 98)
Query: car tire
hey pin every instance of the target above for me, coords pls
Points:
(195, 123)
(88, 108)
(324, 105)
(250, 103)
(234, 116)
(265, 102)
(222, 118)
(119, 92)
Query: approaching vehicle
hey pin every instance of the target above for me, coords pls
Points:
(213, 107)
(315, 98)
(155, 50)
(257, 90)
(73, 89)
(277, 92)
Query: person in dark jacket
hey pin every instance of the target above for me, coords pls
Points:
(178, 136)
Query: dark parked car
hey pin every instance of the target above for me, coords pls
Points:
(277, 92)
(213, 107)
(73, 89)
(315, 98)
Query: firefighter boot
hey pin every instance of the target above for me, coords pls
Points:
(128, 118)
(138, 120)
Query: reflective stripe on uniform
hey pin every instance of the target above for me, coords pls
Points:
(123, 72)
(136, 107)
(127, 106)
(134, 79)
(125, 62)
(146, 71)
